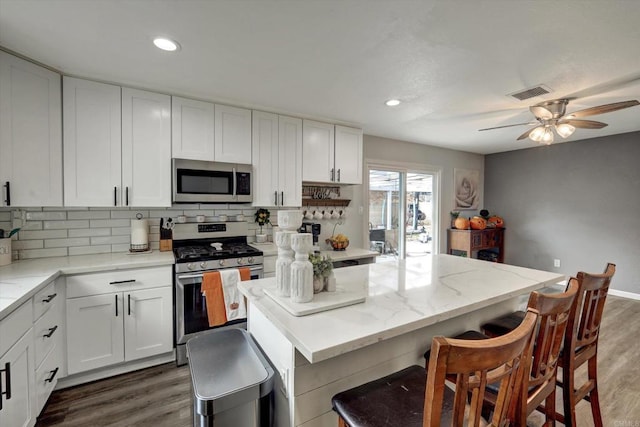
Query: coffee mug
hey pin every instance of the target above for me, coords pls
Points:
(326, 214)
(240, 217)
(200, 218)
(335, 214)
(317, 215)
(343, 214)
(223, 218)
(182, 219)
(308, 215)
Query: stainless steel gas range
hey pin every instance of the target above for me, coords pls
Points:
(199, 248)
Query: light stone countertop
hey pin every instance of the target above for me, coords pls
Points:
(403, 296)
(270, 249)
(21, 280)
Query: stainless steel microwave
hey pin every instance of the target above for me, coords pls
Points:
(197, 181)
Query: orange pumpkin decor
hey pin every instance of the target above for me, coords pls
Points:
(498, 221)
(478, 223)
(461, 223)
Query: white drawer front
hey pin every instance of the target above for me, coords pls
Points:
(47, 332)
(44, 299)
(269, 264)
(118, 281)
(14, 326)
(47, 376)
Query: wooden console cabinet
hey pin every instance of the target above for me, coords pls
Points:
(471, 241)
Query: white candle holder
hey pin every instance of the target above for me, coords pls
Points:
(301, 268)
(283, 263)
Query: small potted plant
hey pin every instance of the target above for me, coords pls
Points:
(262, 219)
(322, 270)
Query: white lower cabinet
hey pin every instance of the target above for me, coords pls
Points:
(118, 317)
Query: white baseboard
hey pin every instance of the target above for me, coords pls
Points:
(624, 294)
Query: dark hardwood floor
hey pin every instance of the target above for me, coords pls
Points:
(161, 396)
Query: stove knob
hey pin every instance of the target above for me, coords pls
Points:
(221, 263)
(190, 266)
(203, 264)
(250, 260)
(240, 261)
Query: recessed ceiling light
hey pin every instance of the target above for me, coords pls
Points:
(166, 44)
(392, 102)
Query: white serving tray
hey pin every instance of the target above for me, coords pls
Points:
(322, 301)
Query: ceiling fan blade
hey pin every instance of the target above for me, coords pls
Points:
(584, 124)
(508, 126)
(605, 87)
(526, 134)
(601, 109)
(540, 112)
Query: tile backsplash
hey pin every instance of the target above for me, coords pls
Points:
(49, 232)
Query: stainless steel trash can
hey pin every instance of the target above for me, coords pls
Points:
(232, 381)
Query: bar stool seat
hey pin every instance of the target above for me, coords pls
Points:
(503, 325)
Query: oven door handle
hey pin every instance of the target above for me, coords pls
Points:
(199, 276)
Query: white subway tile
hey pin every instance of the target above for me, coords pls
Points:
(154, 245)
(27, 244)
(121, 231)
(187, 206)
(120, 247)
(31, 209)
(65, 243)
(89, 232)
(128, 214)
(89, 215)
(42, 253)
(32, 225)
(41, 216)
(100, 223)
(5, 225)
(66, 209)
(5, 216)
(58, 225)
(164, 213)
(43, 234)
(193, 213)
(108, 240)
(85, 250)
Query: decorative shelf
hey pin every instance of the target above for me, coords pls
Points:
(326, 202)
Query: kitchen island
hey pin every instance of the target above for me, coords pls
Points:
(407, 303)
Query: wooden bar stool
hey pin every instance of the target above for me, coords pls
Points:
(581, 345)
(415, 397)
(540, 382)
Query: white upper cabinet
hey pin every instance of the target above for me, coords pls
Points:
(146, 148)
(192, 129)
(348, 155)
(117, 146)
(277, 160)
(331, 154)
(92, 143)
(30, 134)
(232, 134)
(318, 151)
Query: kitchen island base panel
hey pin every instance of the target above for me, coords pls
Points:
(310, 386)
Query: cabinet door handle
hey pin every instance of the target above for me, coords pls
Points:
(116, 305)
(49, 298)
(52, 376)
(128, 304)
(333, 174)
(282, 198)
(120, 282)
(235, 182)
(7, 185)
(126, 196)
(7, 376)
(51, 331)
(275, 194)
(338, 175)
(115, 196)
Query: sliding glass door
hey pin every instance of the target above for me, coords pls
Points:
(401, 212)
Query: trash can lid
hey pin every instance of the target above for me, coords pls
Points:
(227, 370)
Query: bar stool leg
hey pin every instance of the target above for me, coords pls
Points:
(593, 395)
(341, 422)
(568, 394)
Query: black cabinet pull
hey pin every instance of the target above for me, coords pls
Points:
(49, 298)
(7, 375)
(52, 376)
(116, 305)
(120, 282)
(333, 174)
(282, 198)
(338, 175)
(51, 331)
(126, 196)
(115, 196)
(129, 304)
(7, 185)
(275, 194)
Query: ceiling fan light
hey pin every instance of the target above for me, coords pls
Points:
(537, 134)
(565, 130)
(547, 138)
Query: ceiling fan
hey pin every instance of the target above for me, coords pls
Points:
(551, 116)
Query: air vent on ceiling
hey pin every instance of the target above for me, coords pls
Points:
(532, 92)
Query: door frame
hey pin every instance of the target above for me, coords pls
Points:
(404, 167)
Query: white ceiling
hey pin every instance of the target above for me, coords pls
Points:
(451, 62)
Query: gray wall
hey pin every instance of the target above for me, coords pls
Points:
(577, 201)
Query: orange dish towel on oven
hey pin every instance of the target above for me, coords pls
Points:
(212, 291)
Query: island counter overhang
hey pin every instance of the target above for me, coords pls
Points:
(402, 296)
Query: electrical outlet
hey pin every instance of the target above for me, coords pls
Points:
(556, 263)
